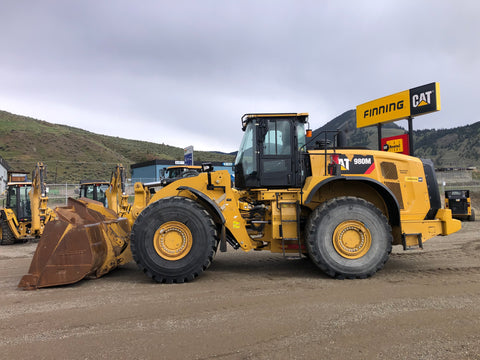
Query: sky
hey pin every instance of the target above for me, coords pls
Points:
(183, 72)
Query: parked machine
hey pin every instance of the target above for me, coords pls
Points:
(343, 208)
(178, 171)
(94, 190)
(24, 212)
(173, 173)
(458, 201)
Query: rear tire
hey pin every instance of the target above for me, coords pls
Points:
(472, 216)
(7, 237)
(348, 237)
(174, 240)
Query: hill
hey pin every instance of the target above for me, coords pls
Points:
(363, 137)
(73, 154)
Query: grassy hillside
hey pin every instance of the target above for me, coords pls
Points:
(73, 154)
(450, 147)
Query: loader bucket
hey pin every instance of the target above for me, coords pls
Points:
(86, 240)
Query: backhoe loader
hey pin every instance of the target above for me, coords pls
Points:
(343, 208)
(25, 212)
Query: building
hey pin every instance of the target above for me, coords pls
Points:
(3, 175)
(152, 171)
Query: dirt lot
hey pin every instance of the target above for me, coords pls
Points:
(422, 305)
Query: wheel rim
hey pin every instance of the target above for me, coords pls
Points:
(173, 240)
(352, 239)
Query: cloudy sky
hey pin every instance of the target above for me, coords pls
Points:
(183, 72)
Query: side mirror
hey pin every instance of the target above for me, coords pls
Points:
(207, 167)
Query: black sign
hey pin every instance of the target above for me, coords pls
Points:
(423, 99)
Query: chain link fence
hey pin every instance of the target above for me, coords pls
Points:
(58, 194)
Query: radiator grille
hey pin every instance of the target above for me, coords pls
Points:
(389, 170)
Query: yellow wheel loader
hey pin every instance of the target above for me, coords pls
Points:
(343, 208)
(25, 212)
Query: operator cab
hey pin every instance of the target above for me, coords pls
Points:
(271, 152)
(94, 190)
(18, 200)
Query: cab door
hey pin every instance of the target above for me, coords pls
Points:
(277, 153)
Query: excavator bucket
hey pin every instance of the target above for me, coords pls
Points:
(86, 240)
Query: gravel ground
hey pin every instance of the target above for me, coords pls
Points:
(422, 305)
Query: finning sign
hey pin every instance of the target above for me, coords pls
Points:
(417, 101)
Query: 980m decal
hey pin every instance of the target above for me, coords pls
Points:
(358, 164)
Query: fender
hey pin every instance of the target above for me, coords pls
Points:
(207, 200)
(214, 207)
(385, 192)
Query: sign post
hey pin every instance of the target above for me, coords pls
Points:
(188, 155)
(403, 105)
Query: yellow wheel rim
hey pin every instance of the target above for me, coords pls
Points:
(173, 240)
(352, 239)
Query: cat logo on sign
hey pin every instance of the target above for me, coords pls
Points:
(425, 99)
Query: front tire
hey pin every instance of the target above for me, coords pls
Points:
(348, 237)
(174, 240)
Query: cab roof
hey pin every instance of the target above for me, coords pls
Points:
(22, 183)
(303, 117)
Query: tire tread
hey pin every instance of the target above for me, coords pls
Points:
(150, 211)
